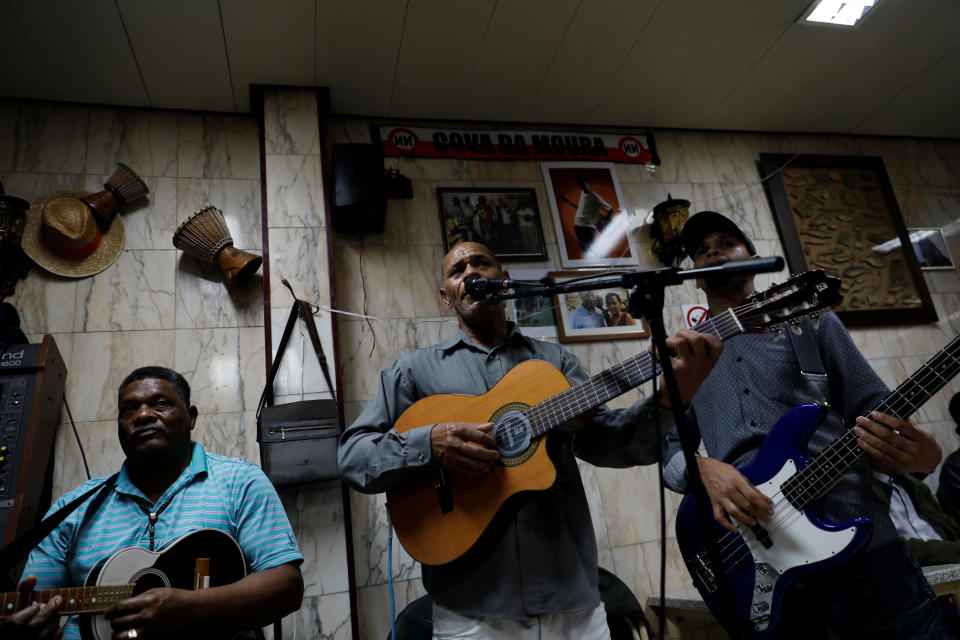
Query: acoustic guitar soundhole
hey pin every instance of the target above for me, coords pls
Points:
(512, 433)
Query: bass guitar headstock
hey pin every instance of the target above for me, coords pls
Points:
(802, 295)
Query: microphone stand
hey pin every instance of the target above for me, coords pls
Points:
(647, 300)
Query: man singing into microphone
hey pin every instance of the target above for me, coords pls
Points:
(535, 574)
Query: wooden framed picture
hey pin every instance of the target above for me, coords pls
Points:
(594, 314)
(839, 214)
(588, 214)
(506, 220)
(931, 248)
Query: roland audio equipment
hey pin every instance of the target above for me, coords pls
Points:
(32, 378)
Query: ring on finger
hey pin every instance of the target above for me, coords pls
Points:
(131, 633)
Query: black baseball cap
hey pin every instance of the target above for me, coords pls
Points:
(704, 222)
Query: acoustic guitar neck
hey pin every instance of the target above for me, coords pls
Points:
(75, 599)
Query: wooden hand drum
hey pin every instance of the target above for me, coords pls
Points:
(205, 236)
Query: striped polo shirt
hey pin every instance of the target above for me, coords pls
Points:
(214, 492)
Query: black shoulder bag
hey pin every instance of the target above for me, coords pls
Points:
(298, 440)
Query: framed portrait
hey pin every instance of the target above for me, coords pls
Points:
(534, 315)
(594, 314)
(839, 214)
(588, 214)
(506, 220)
(931, 248)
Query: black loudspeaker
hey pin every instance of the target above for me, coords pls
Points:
(359, 200)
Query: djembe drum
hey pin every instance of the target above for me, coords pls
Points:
(121, 188)
(205, 236)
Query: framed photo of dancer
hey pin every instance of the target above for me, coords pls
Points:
(506, 220)
(594, 314)
(588, 214)
(839, 214)
(931, 248)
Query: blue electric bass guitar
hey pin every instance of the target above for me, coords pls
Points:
(760, 562)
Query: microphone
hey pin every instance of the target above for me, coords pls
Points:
(478, 286)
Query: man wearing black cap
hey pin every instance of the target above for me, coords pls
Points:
(879, 592)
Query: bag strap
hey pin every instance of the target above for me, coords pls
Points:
(26, 542)
(301, 309)
(811, 365)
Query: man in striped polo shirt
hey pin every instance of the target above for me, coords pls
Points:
(168, 487)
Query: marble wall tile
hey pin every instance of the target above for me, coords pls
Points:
(631, 504)
(294, 191)
(678, 583)
(300, 256)
(144, 140)
(51, 138)
(425, 263)
(9, 112)
(34, 186)
(629, 565)
(223, 366)
(590, 478)
(239, 200)
(291, 122)
(684, 157)
(316, 514)
(233, 435)
(203, 300)
(385, 285)
(498, 174)
(45, 302)
(320, 618)
(373, 604)
(371, 540)
(218, 146)
(137, 292)
(102, 359)
(101, 447)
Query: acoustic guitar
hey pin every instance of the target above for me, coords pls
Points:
(532, 399)
(200, 559)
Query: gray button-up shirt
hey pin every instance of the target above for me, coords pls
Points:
(542, 557)
(756, 380)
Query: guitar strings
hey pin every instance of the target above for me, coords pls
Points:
(846, 444)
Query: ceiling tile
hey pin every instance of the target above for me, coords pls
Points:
(269, 47)
(927, 107)
(357, 47)
(829, 80)
(180, 49)
(507, 73)
(21, 74)
(599, 39)
(83, 47)
(441, 41)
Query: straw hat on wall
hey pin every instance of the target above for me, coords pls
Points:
(62, 236)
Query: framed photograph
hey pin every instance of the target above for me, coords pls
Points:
(595, 314)
(931, 248)
(534, 315)
(839, 214)
(588, 214)
(506, 220)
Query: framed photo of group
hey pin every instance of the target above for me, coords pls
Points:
(594, 314)
(506, 220)
(839, 214)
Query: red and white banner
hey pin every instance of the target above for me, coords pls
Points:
(518, 145)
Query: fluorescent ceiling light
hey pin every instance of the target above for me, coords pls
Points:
(838, 13)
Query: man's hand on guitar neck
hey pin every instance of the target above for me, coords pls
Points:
(693, 356)
(898, 444)
(731, 492)
(464, 448)
(36, 622)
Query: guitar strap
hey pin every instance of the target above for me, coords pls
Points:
(811, 365)
(25, 543)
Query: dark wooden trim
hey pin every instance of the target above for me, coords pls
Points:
(770, 163)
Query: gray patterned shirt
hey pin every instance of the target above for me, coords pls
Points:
(757, 380)
(540, 559)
